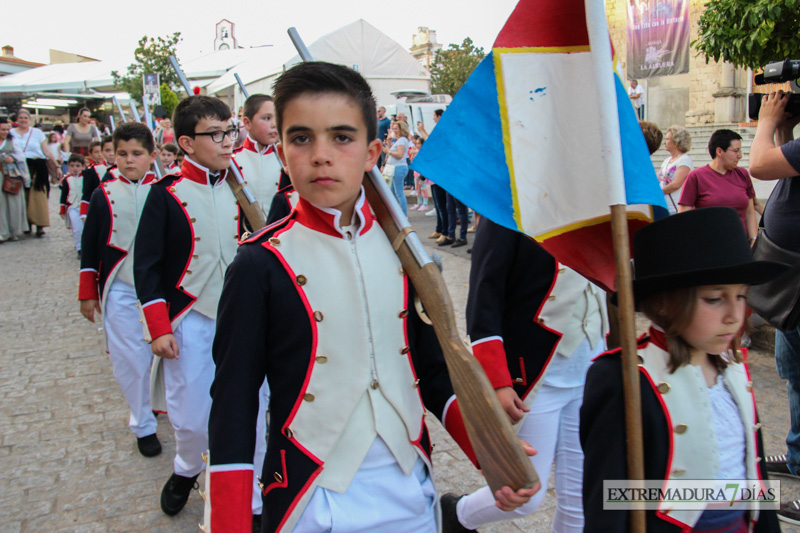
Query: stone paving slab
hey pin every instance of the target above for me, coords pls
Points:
(67, 460)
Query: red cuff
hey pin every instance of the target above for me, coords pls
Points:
(492, 357)
(62, 210)
(87, 285)
(454, 424)
(84, 208)
(230, 496)
(157, 318)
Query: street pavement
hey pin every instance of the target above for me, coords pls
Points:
(67, 460)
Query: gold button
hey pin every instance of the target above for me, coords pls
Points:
(416, 383)
(401, 271)
(195, 256)
(561, 270)
(680, 429)
(374, 384)
(301, 280)
(758, 459)
(288, 195)
(308, 397)
(679, 472)
(518, 380)
(322, 359)
(641, 360)
(237, 237)
(757, 426)
(192, 220)
(318, 316)
(278, 477)
(404, 350)
(112, 201)
(540, 320)
(236, 217)
(115, 215)
(172, 189)
(184, 204)
(403, 313)
(749, 386)
(288, 432)
(197, 238)
(188, 271)
(663, 387)
(274, 241)
(551, 297)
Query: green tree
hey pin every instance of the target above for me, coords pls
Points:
(169, 100)
(451, 68)
(152, 57)
(749, 33)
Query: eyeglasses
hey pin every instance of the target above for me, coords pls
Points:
(218, 135)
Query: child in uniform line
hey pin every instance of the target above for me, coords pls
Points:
(187, 236)
(168, 154)
(71, 190)
(699, 419)
(257, 157)
(101, 161)
(320, 305)
(106, 278)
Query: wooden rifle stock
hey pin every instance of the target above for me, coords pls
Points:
(496, 445)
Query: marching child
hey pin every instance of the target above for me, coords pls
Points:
(168, 154)
(71, 190)
(101, 161)
(699, 420)
(257, 156)
(188, 235)
(319, 304)
(106, 278)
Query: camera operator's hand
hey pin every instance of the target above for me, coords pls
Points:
(773, 109)
(775, 126)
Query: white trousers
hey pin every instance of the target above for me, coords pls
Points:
(551, 427)
(76, 224)
(188, 384)
(378, 500)
(130, 355)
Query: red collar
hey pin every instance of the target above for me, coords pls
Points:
(326, 220)
(250, 144)
(658, 337)
(198, 173)
(149, 177)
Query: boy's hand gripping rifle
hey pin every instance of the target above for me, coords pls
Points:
(499, 452)
(247, 202)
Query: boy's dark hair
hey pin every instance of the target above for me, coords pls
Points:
(171, 148)
(721, 139)
(652, 135)
(76, 158)
(439, 112)
(318, 77)
(95, 143)
(193, 109)
(105, 139)
(254, 103)
(134, 131)
(3, 120)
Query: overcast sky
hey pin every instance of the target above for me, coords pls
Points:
(108, 30)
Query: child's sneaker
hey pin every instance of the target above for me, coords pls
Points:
(777, 465)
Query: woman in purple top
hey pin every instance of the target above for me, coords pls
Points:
(722, 182)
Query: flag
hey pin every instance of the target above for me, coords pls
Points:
(542, 137)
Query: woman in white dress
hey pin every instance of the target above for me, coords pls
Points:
(13, 217)
(676, 167)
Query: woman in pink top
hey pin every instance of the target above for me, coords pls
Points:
(722, 182)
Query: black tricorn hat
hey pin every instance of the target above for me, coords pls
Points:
(706, 246)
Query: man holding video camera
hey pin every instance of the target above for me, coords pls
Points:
(775, 155)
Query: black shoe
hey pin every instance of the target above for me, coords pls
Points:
(256, 523)
(459, 242)
(450, 523)
(447, 241)
(790, 512)
(149, 445)
(777, 465)
(176, 492)
(40, 232)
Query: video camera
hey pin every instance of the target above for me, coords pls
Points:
(777, 72)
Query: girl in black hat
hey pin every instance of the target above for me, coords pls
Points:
(699, 420)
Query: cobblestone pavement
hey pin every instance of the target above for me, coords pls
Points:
(67, 460)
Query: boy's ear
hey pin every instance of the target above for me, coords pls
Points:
(374, 150)
(153, 156)
(187, 144)
(246, 122)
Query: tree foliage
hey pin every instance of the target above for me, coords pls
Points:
(451, 68)
(152, 57)
(749, 33)
(169, 100)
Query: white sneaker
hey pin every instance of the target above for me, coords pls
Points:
(431, 213)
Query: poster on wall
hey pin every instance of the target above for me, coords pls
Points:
(658, 38)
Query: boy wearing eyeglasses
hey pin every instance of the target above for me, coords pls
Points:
(187, 236)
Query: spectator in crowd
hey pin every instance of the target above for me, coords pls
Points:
(13, 219)
(722, 182)
(636, 94)
(396, 161)
(165, 134)
(421, 126)
(384, 123)
(54, 143)
(676, 167)
(80, 134)
(775, 155)
(652, 135)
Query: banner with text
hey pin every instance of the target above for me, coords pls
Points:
(658, 38)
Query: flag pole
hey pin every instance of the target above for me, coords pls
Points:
(600, 42)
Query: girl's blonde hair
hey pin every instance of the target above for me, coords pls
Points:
(673, 311)
(403, 128)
